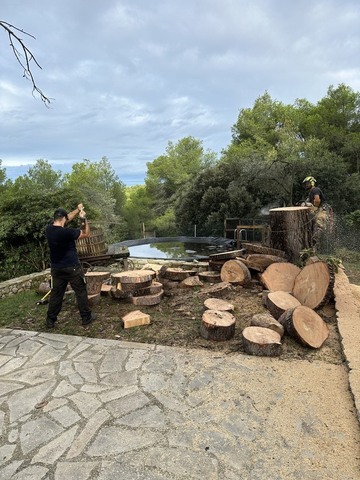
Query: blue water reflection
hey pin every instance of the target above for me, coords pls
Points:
(174, 250)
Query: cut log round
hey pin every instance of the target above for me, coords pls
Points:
(218, 304)
(94, 281)
(148, 299)
(217, 325)
(234, 271)
(218, 290)
(278, 302)
(119, 294)
(305, 325)
(313, 287)
(189, 282)
(177, 274)
(266, 320)
(226, 255)
(134, 276)
(260, 262)
(155, 287)
(291, 230)
(131, 287)
(213, 277)
(280, 277)
(261, 342)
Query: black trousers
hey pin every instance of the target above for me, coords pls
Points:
(60, 279)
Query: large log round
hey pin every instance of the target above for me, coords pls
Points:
(305, 325)
(134, 276)
(278, 302)
(291, 230)
(313, 287)
(217, 325)
(234, 271)
(261, 341)
(280, 277)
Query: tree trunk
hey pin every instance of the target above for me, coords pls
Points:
(217, 325)
(278, 302)
(313, 287)
(291, 230)
(280, 277)
(261, 342)
(305, 325)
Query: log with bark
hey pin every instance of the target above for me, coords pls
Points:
(213, 277)
(261, 341)
(177, 274)
(278, 302)
(313, 287)
(217, 325)
(260, 261)
(147, 299)
(280, 277)
(253, 248)
(94, 281)
(266, 320)
(291, 230)
(305, 325)
(235, 271)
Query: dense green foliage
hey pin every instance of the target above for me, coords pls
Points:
(274, 146)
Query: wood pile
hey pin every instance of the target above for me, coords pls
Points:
(139, 287)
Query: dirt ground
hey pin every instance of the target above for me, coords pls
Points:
(176, 322)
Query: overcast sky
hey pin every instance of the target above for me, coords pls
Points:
(128, 76)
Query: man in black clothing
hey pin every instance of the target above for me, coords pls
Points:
(65, 264)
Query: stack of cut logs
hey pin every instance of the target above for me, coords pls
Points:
(137, 286)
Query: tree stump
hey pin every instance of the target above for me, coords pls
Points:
(217, 325)
(291, 230)
(218, 304)
(94, 281)
(261, 341)
(305, 325)
(280, 277)
(313, 287)
(278, 302)
(235, 271)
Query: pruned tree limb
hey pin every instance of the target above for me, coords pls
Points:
(24, 56)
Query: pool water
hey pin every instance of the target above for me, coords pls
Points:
(175, 250)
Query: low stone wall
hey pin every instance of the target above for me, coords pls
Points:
(20, 284)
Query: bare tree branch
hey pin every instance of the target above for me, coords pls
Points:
(24, 56)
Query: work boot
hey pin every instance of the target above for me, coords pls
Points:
(90, 319)
(50, 323)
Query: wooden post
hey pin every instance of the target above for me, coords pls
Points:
(291, 230)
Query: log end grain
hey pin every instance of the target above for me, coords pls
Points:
(217, 325)
(235, 271)
(278, 302)
(261, 341)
